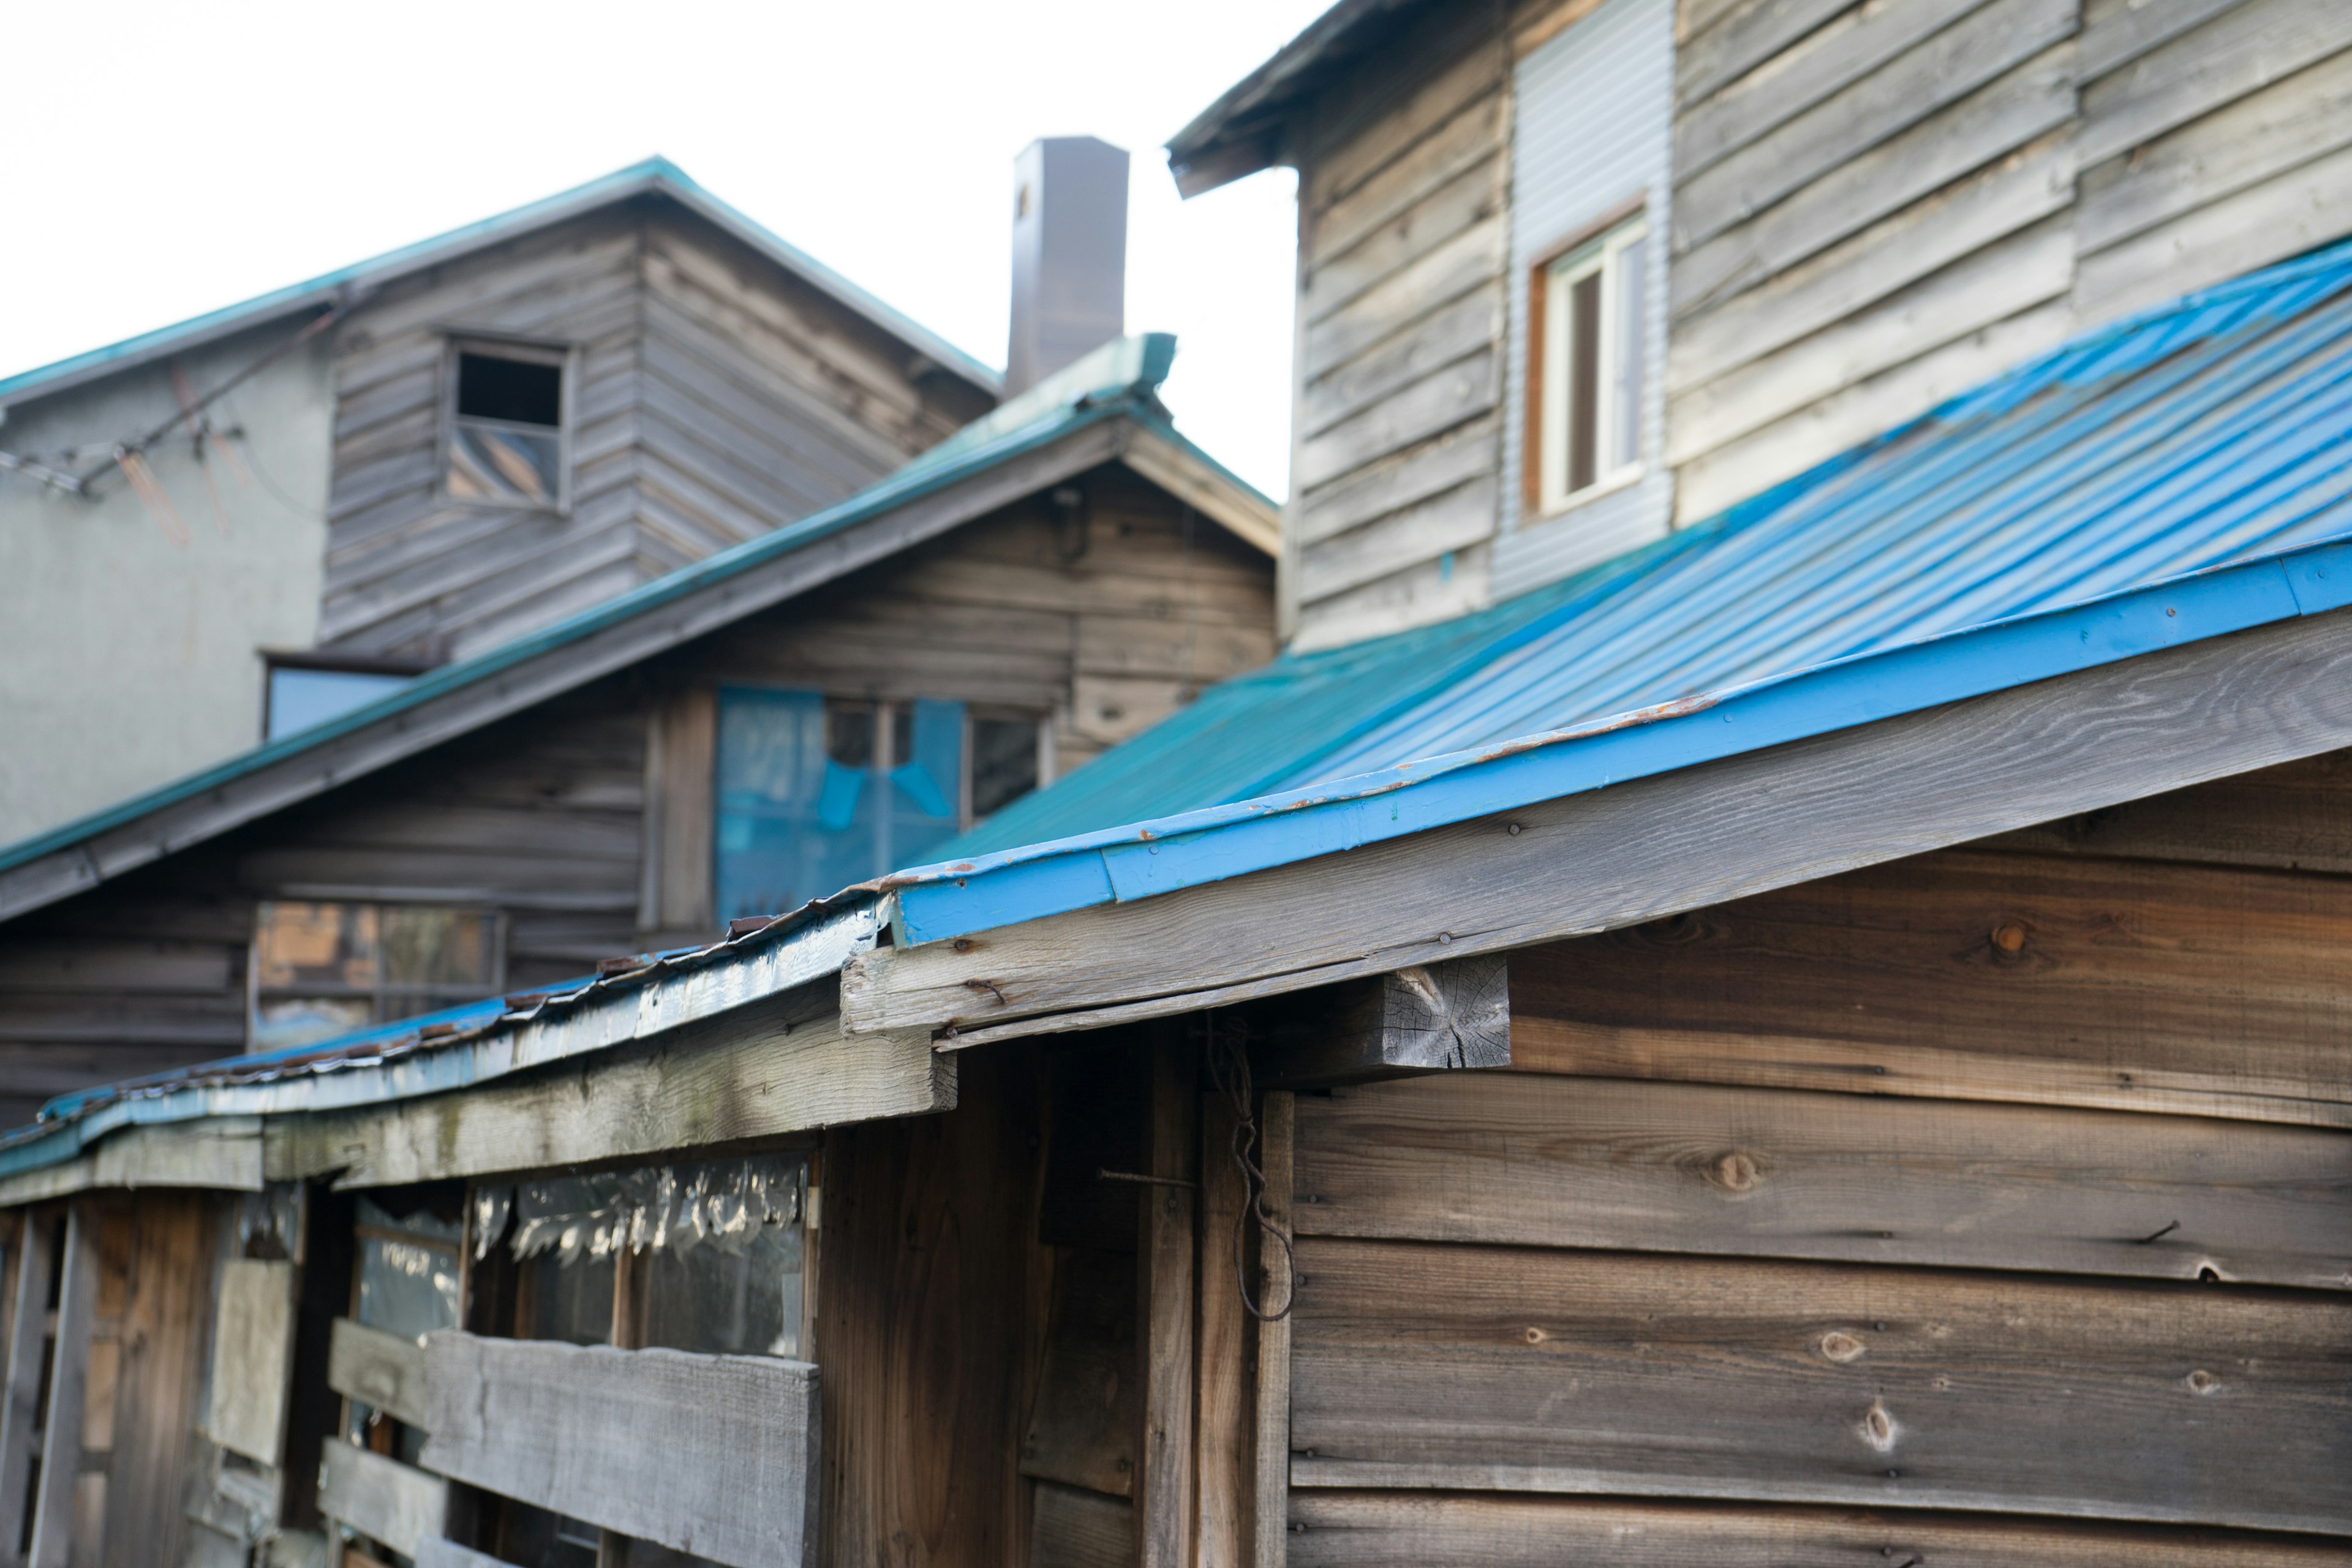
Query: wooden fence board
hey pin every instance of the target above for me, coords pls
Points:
(378, 1369)
(1507, 1369)
(378, 1496)
(1666, 1168)
(716, 1454)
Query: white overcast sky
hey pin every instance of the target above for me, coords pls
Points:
(190, 156)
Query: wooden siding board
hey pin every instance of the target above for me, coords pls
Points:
(2026, 186)
(396, 1504)
(1744, 38)
(2261, 135)
(1079, 1529)
(1456, 520)
(385, 1372)
(1517, 1159)
(2028, 101)
(1406, 1529)
(1471, 324)
(1461, 203)
(1401, 300)
(1465, 62)
(1452, 153)
(2236, 52)
(1555, 1371)
(1088, 1408)
(1452, 395)
(1393, 484)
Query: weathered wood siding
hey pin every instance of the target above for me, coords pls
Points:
(1872, 208)
(2010, 1179)
(1878, 206)
(1102, 622)
(714, 398)
(1404, 241)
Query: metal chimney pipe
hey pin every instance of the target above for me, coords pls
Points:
(1069, 255)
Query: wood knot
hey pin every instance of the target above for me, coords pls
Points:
(1840, 1347)
(2008, 938)
(1536, 1336)
(2202, 1382)
(1878, 1426)
(1735, 1170)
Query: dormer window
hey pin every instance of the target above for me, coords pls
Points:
(507, 424)
(1589, 309)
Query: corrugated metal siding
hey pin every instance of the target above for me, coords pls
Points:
(2213, 431)
(1594, 129)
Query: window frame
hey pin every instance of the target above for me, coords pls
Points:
(275, 660)
(1593, 247)
(529, 350)
(455, 996)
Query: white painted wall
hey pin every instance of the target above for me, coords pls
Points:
(127, 660)
(1592, 129)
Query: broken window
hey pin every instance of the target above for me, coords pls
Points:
(817, 793)
(507, 424)
(319, 970)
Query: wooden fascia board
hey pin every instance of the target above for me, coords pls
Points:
(1648, 847)
(75, 867)
(1181, 474)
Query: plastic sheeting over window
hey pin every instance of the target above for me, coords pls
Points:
(718, 1245)
(814, 796)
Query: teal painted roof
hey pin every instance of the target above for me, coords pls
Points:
(654, 175)
(1119, 380)
(2207, 431)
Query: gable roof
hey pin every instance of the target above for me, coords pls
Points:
(1104, 408)
(655, 176)
(2210, 430)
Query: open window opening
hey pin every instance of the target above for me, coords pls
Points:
(1587, 308)
(508, 425)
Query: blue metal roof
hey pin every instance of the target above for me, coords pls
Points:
(654, 174)
(2210, 430)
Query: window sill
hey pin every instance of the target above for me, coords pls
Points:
(1588, 495)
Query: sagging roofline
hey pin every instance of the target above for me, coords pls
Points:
(1103, 408)
(348, 285)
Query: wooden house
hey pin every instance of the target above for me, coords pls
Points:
(218, 532)
(1810, 1037)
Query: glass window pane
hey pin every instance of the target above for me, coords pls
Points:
(927, 785)
(445, 949)
(489, 462)
(1625, 416)
(745, 1302)
(795, 823)
(408, 1272)
(1003, 762)
(321, 946)
(1584, 379)
(301, 698)
(284, 1023)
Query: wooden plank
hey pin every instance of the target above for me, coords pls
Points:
(1471, 324)
(1089, 1407)
(1387, 486)
(433, 1552)
(396, 1504)
(1399, 300)
(2036, 97)
(1242, 512)
(2237, 52)
(1388, 126)
(1506, 1369)
(681, 748)
(221, 1152)
(1511, 1159)
(1269, 1511)
(716, 1454)
(1433, 218)
(2129, 985)
(377, 1368)
(28, 1331)
(1165, 1479)
(1079, 1529)
(1471, 137)
(1647, 847)
(760, 1071)
(164, 1334)
(253, 1344)
(1450, 395)
(52, 1500)
(2027, 186)
(1223, 1449)
(2295, 816)
(2116, 32)
(1401, 1530)
(1852, 46)
(1743, 39)
(2261, 135)
(1454, 520)
(1422, 1018)
(2280, 218)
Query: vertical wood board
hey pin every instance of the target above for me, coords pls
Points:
(253, 1342)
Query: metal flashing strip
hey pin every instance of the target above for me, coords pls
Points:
(961, 897)
(398, 1063)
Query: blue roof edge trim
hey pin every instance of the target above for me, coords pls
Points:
(954, 899)
(1070, 404)
(656, 174)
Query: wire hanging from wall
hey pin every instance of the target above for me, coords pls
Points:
(1228, 1069)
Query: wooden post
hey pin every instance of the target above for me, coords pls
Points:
(28, 1331)
(1270, 1517)
(1223, 1458)
(1163, 1493)
(53, 1504)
